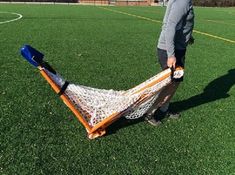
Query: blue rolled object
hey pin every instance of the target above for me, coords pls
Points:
(33, 56)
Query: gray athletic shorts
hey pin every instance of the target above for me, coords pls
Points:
(180, 58)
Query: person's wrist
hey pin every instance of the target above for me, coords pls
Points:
(171, 61)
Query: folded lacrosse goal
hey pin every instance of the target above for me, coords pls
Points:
(96, 108)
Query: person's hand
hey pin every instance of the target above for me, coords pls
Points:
(171, 61)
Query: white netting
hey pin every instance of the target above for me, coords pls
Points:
(97, 104)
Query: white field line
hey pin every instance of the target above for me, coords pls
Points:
(19, 16)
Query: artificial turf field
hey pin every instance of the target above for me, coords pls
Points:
(114, 49)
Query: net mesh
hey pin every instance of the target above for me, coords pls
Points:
(97, 104)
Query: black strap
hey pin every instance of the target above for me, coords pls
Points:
(172, 71)
(44, 64)
(48, 67)
(63, 88)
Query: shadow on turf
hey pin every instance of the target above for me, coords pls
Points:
(215, 90)
(122, 123)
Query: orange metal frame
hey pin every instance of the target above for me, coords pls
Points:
(65, 100)
(99, 129)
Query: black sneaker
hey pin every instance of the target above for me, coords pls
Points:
(172, 115)
(168, 114)
(151, 120)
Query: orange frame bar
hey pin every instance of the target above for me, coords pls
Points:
(65, 100)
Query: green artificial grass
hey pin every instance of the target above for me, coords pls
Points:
(104, 49)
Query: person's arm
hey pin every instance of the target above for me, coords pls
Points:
(178, 10)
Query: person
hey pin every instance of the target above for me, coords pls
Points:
(175, 36)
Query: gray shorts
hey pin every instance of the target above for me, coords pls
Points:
(162, 57)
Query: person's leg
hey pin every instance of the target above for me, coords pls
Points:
(149, 116)
(164, 98)
(162, 102)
